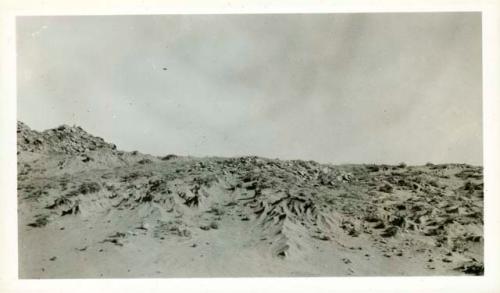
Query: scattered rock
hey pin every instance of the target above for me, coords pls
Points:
(346, 260)
(387, 188)
(144, 161)
(471, 268)
(390, 232)
(287, 203)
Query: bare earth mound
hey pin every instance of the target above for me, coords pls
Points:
(88, 210)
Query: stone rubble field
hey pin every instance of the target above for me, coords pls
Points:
(89, 210)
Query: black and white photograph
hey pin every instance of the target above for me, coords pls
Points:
(250, 145)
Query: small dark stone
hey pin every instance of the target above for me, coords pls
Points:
(389, 232)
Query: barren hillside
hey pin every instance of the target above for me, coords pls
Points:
(89, 210)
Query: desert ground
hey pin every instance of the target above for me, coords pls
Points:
(89, 210)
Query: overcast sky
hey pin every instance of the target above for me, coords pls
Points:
(338, 88)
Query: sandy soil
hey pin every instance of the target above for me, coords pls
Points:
(88, 210)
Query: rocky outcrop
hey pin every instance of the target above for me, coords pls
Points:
(64, 139)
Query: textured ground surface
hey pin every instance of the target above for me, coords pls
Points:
(89, 210)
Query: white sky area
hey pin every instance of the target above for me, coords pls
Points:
(335, 88)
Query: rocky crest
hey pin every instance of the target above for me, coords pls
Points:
(63, 139)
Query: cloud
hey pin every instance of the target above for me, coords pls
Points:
(329, 87)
